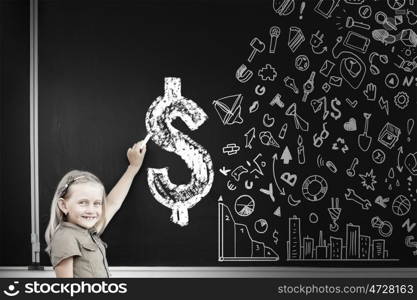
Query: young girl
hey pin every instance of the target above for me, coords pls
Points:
(80, 212)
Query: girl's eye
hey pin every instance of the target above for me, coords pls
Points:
(83, 202)
(97, 203)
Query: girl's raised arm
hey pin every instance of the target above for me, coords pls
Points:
(117, 195)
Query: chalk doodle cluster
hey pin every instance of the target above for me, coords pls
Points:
(324, 166)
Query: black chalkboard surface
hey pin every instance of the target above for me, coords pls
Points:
(15, 216)
(309, 126)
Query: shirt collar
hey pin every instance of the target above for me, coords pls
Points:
(92, 230)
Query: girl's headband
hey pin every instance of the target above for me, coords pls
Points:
(66, 187)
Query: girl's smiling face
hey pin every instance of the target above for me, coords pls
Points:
(83, 205)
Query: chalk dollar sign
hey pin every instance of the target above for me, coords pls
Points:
(162, 112)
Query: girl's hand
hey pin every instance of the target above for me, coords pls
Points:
(135, 155)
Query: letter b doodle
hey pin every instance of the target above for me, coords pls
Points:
(163, 111)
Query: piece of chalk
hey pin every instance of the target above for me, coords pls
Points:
(145, 141)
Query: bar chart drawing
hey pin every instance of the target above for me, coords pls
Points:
(355, 246)
(236, 243)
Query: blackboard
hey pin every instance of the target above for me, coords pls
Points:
(103, 63)
(15, 211)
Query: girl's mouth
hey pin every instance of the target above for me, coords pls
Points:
(89, 218)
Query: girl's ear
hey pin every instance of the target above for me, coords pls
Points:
(62, 206)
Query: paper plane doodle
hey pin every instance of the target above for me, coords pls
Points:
(228, 108)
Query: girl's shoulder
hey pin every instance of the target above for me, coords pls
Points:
(68, 233)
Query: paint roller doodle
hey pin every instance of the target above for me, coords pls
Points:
(159, 117)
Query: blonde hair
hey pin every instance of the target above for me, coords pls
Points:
(62, 191)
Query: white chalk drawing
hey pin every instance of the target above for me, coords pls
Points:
(277, 101)
(238, 172)
(326, 68)
(258, 165)
(299, 122)
(269, 192)
(283, 131)
(351, 68)
(249, 136)
(408, 225)
(228, 108)
(411, 242)
(385, 228)
(231, 149)
(257, 47)
(261, 226)
(350, 125)
(368, 180)
(159, 117)
(295, 38)
(248, 184)
(370, 92)
(355, 246)
(267, 139)
(364, 140)
(406, 64)
(244, 205)
(351, 23)
(224, 171)
(396, 4)
(316, 42)
(401, 100)
(268, 121)
(313, 218)
(357, 42)
(365, 11)
(373, 68)
(389, 135)
(300, 151)
(308, 86)
(254, 107)
(267, 73)
(381, 201)
(369, 40)
(392, 81)
(401, 206)
(410, 163)
(329, 164)
(260, 90)
(289, 178)
(290, 83)
(351, 103)
(399, 166)
(384, 105)
(274, 160)
(283, 7)
(334, 212)
(286, 156)
(274, 33)
(336, 81)
(318, 140)
(235, 241)
(352, 196)
(378, 156)
(351, 170)
(231, 186)
(243, 74)
(325, 8)
(340, 144)
(293, 202)
(302, 63)
(314, 188)
(410, 126)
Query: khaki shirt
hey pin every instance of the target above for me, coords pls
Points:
(88, 250)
